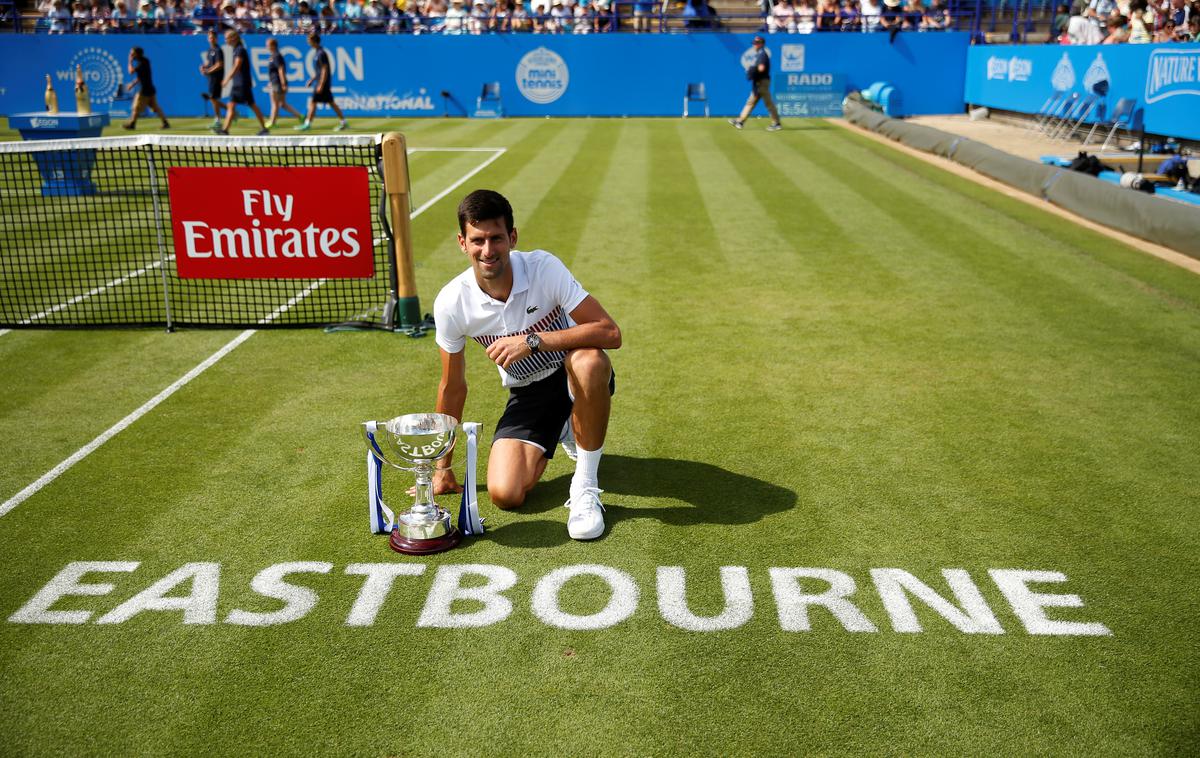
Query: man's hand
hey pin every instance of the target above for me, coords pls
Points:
(508, 350)
(444, 482)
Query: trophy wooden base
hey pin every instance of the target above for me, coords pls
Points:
(410, 546)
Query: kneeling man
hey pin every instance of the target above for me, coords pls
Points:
(547, 337)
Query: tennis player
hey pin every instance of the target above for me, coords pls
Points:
(547, 337)
(323, 89)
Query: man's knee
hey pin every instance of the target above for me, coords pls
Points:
(506, 495)
(589, 366)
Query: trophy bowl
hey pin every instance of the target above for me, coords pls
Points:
(415, 442)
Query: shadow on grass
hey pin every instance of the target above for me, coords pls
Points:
(709, 495)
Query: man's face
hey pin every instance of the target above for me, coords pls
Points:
(487, 244)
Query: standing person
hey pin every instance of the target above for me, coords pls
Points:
(759, 74)
(547, 336)
(242, 92)
(323, 89)
(147, 96)
(277, 86)
(213, 67)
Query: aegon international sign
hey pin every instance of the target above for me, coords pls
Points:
(271, 223)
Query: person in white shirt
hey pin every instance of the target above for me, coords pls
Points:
(547, 337)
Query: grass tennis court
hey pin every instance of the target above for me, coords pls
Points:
(835, 357)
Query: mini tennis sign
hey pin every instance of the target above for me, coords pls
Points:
(271, 223)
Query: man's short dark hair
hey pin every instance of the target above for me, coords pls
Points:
(137, 52)
(314, 37)
(484, 205)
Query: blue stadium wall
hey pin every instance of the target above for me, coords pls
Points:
(1164, 80)
(539, 75)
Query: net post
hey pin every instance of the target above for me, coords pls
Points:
(396, 185)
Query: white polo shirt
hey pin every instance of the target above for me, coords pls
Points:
(543, 295)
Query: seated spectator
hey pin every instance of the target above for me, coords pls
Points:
(560, 18)
(806, 17)
(581, 17)
(827, 16)
(352, 16)
(456, 18)
(124, 19)
(1062, 17)
(1194, 28)
(849, 16)
(937, 17)
(520, 21)
(1118, 31)
(782, 18)
(306, 18)
(1081, 31)
(869, 10)
(81, 17)
(602, 17)
(327, 21)
(375, 18)
(914, 15)
(204, 15)
(500, 18)
(1166, 32)
(100, 17)
(891, 19)
(59, 17)
(478, 17)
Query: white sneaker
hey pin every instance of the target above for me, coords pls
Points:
(567, 438)
(586, 521)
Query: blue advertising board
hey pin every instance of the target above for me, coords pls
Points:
(539, 75)
(810, 95)
(1164, 80)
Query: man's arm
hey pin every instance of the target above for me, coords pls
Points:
(451, 399)
(594, 328)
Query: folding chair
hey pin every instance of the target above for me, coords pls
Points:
(1064, 109)
(1047, 108)
(1082, 110)
(1122, 116)
(490, 94)
(696, 92)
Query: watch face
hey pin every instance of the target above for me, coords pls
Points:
(534, 342)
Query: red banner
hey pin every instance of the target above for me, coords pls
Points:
(272, 223)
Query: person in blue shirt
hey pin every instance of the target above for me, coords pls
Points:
(213, 68)
(242, 92)
(322, 84)
(147, 96)
(759, 74)
(277, 84)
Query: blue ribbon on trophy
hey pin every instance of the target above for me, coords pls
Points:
(469, 522)
(382, 519)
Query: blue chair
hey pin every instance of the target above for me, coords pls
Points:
(1122, 116)
(695, 93)
(1083, 108)
(1048, 108)
(490, 94)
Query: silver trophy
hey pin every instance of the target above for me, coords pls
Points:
(413, 443)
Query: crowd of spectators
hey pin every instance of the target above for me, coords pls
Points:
(1110, 22)
(332, 16)
(472, 16)
(807, 16)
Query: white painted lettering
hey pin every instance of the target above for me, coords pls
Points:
(621, 604)
(672, 600)
(447, 588)
(975, 617)
(269, 582)
(199, 606)
(376, 588)
(792, 602)
(66, 583)
(1028, 605)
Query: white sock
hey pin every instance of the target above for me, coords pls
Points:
(586, 468)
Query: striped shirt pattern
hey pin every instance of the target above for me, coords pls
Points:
(538, 363)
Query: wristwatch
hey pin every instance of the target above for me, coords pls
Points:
(534, 342)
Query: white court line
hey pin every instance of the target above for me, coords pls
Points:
(497, 152)
(153, 402)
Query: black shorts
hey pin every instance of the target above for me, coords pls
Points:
(241, 96)
(323, 96)
(214, 89)
(537, 412)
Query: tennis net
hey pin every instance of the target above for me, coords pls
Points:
(86, 237)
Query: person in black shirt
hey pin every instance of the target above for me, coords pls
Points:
(277, 86)
(759, 74)
(214, 68)
(139, 66)
(322, 84)
(242, 92)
